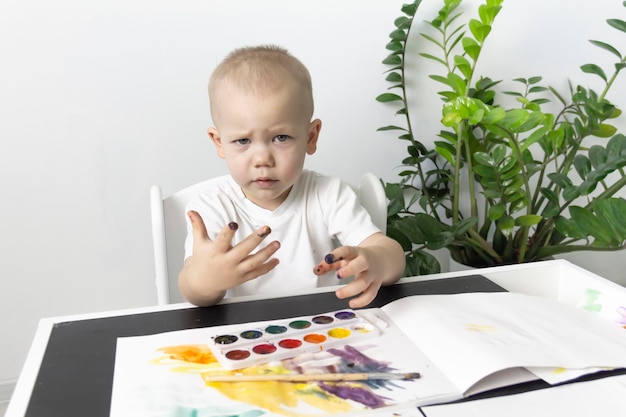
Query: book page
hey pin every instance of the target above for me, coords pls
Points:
(473, 335)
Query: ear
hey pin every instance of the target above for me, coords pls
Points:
(214, 134)
(314, 133)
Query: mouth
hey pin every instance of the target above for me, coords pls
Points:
(265, 182)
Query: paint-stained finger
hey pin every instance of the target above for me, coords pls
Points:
(246, 246)
(223, 240)
(340, 254)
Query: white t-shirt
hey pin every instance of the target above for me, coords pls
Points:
(319, 214)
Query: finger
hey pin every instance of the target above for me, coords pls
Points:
(243, 248)
(261, 270)
(365, 290)
(335, 260)
(364, 299)
(199, 229)
(356, 267)
(323, 267)
(260, 263)
(355, 287)
(224, 239)
(341, 253)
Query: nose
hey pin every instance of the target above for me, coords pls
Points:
(263, 156)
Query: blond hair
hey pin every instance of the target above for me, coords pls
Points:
(262, 69)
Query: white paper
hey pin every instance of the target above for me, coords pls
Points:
(469, 336)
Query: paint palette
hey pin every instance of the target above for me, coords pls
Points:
(262, 342)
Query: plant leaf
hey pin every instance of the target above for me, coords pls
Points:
(398, 35)
(607, 47)
(506, 225)
(484, 158)
(390, 127)
(403, 22)
(617, 24)
(457, 83)
(582, 165)
(471, 47)
(387, 97)
(394, 77)
(496, 211)
(421, 262)
(494, 115)
(432, 40)
(434, 58)
(528, 220)
(568, 228)
(604, 130)
(571, 193)
(479, 29)
(559, 179)
(594, 69)
(612, 212)
(394, 46)
(514, 118)
(463, 65)
(393, 59)
(411, 8)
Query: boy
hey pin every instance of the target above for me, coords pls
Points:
(262, 105)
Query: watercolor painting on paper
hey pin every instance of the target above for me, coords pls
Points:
(164, 375)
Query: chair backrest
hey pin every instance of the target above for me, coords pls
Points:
(169, 229)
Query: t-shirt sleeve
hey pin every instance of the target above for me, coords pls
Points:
(347, 219)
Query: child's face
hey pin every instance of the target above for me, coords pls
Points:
(264, 140)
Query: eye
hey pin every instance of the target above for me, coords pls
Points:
(281, 138)
(244, 141)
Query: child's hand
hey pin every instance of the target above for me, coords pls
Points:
(377, 261)
(216, 266)
(348, 261)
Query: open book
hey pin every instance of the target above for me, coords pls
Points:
(482, 341)
(460, 344)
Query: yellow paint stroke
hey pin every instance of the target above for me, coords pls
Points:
(473, 327)
(557, 371)
(283, 398)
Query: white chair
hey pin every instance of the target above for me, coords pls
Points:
(169, 229)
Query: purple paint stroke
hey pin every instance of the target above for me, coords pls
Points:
(362, 395)
(354, 361)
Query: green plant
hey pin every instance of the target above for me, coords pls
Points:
(531, 187)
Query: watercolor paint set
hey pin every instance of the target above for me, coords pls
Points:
(263, 342)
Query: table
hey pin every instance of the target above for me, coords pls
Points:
(69, 369)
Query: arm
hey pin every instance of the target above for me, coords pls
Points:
(215, 266)
(377, 261)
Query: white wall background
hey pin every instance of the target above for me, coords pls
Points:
(100, 100)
